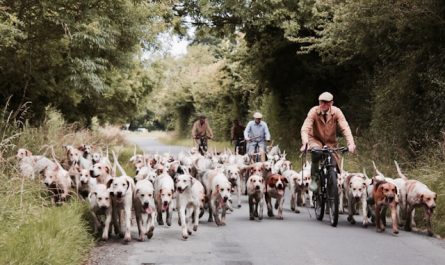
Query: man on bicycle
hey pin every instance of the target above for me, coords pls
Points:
(320, 129)
(237, 135)
(256, 133)
(201, 128)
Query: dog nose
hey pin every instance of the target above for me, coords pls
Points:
(146, 205)
(280, 186)
(225, 199)
(103, 207)
(257, 187)
(92, 173)
(119, 194)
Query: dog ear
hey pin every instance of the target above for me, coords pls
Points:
(109, 183)
(107, 169)
(192, 180)
(137, 191)
(285, 180)
(28, 153)
(217, 188)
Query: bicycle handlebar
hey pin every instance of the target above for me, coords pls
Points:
(326, 149)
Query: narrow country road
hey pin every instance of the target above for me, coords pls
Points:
(298, 239)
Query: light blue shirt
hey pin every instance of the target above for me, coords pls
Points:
(254, 130)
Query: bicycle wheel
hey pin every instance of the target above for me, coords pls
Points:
(319, 202)
(333, 197)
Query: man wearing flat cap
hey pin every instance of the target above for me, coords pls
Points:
(320, 129)
(201, 128)
(256, 133)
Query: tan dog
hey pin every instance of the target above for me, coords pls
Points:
(101, 172)
(100, 204)
(356, 190)
(190, 200)
(385, 195)
(32, 165)
(417, 195)
(275, 187)
(255, 191)
(144, 206)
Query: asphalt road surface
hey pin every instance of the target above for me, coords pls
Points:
(298, 239)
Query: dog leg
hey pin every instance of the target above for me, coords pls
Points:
(107, 224)
(127, 237)
(210, 212)
(151, 224)
(269, 206)
(223, 216)
(350, 211)
(196, 217)
(169, 215)
(183, 221)
(293, 201)
(251, 208)
(311, 202)
(365, 212)
(238, 191)
(140, 226)
(395, 223)
(409, 218)
(280, 201)
(159, 215)
(261, 203)
(378, 221)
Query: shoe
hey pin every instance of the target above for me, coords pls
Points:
(313, 186)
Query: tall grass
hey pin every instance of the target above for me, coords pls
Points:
(33, 231)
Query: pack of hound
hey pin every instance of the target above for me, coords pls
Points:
(191, 184)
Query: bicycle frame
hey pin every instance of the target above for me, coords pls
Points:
(328, 190)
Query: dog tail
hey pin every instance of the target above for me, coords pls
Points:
(376, 170)
(116, 163)
(53, 154)
(400, 171)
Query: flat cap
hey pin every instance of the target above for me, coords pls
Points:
(326, 96)
(257, 115)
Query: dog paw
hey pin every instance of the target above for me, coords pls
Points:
(379, 230)
(365, 225)
(351, 220)
(184, 237)
(169, 223)
(430, 233)
(292, 209)
(195, 228)
(239, 206)
(251, 218)
(210, 220)
(189, 232)
(297, 211)
(408, 229)
(270, 214)
(141, 238)
(105, 238)
(395, 232)
(280, 218)
(260, 217)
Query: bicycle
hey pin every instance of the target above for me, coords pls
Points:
(256, 156)
(327, 194)
(203, 145)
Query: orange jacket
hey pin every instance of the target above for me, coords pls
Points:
(316, 132)
(201, 130)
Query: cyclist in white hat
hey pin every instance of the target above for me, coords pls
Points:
(320, 129)
(256, 133)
